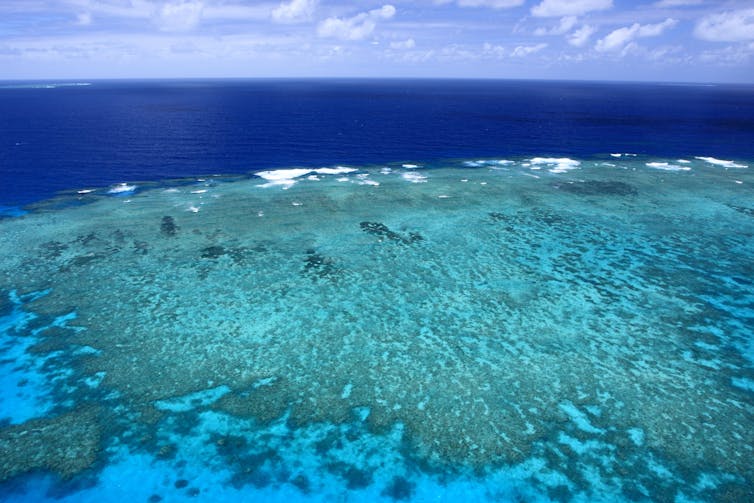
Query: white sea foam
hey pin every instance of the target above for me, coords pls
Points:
(121, 188)
(487, 162)
(284, 178)
(667, 166)
(200, 191)
(287, 178)
(555, 164)
(410, 166)
(721, 162)
(414, 177)
(683, 161)
(386, 171)
(85, 191)
(284, 183)
(622, 154)
(363, 179)
(282, 174)
(337, 170)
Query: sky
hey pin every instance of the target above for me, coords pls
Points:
(653, 40)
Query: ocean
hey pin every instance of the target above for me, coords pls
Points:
(376, 290)
(58, 136)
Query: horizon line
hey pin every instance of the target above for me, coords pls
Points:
(84, 80)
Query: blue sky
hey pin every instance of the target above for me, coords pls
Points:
(655, 40)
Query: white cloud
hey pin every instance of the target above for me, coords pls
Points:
(294, 11)
(169, 13)
(653, 30)
(495, 51)
(621, 38)
(733, 26)
(525, 50)
(667, 55)
(732, 55)
(405, 44)
(557, 8)
(133, 9)
(357, 27)
(581, 36)
(565, 25)
(236, 12)
(676, 3)
(455, 52)
(104, 48)
(179, 16)
(84, 19)
(495, 4)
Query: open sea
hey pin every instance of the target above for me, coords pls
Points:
(376, 290)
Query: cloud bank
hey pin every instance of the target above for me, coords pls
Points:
(620, 38)
(357, 27)
(557, 8)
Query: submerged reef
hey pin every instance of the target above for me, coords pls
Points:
(599, 188)
(383, 232)
(168, 226)
(475, 322)
(65, 445)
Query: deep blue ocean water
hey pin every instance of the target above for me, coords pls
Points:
(366, 290)
(66, 137)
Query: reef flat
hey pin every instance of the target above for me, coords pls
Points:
(537, 328)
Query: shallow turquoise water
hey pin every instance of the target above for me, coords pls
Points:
(532, 329)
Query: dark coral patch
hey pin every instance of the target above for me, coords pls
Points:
(742, 209)
(213, 252)
(168, 226)
(399, 489)
(383, 232)
(318, 266)
(141, 247)
(53, 249)
(302, 483)
(86, 240)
